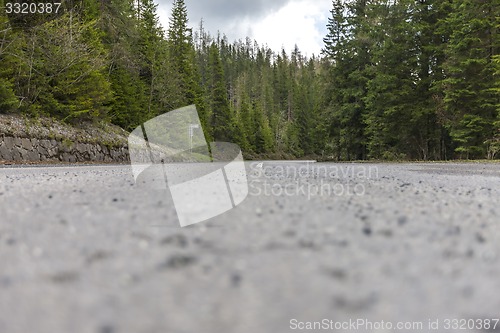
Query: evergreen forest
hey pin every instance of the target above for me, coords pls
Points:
(396, 79)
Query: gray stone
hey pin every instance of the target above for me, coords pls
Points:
(9, 142)
(43, 151)
(45, 144)
(6, 153)
(33, 156)
(66, 157)
(24, 153)
(66, 147)
(26, 144)
(35, 142)
(20, 149)
(81, 147)
(16, 156)
(53, 151)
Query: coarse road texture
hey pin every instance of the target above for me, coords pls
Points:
(82, 249)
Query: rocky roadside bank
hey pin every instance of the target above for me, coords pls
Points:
(25, 140)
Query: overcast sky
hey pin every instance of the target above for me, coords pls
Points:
(276, 23)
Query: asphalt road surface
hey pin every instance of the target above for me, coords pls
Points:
(83, 249)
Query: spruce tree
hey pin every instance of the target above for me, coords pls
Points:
(222, 121)
(181, 56)
(346, 50)
(469, 96)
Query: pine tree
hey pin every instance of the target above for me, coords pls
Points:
(123, 39)
(8, 99)
(263, 135)
(391, 94)
(494, 143)
(222, 120)
(311, 135)
(470, 101)
(247, 142)
(70, 84)
(346, 49)
(181, 56)
(130, 99)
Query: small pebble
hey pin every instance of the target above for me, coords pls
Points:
(367, 231)
(402, 220)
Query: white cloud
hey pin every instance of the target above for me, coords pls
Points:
(301, 22)
(295, 23)
(163, 12)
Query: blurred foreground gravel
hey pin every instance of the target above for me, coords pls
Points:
(82, 249)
